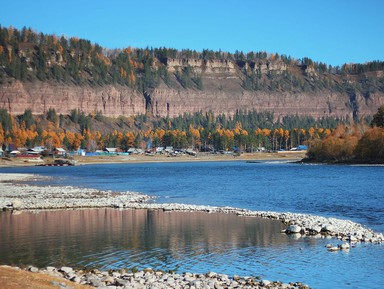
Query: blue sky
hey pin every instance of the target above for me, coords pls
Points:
(334, 32)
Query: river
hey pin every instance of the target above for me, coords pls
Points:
(200, 242)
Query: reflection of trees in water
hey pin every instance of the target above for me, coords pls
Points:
(68, 237)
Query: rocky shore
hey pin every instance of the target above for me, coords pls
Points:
(150, 279)
(17, 196)
(14, 195)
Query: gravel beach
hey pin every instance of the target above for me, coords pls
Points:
(16, 195)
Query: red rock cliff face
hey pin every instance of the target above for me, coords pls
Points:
(221, 94)
(40, 96)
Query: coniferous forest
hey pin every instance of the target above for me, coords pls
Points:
(29, 56)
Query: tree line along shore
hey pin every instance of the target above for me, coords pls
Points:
(356, 143)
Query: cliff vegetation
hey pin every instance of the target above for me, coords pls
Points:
(28, 56)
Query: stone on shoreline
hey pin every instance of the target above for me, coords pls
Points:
(158, 279)
(294, 229)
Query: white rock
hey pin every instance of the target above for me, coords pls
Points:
(17, 204)
(265, 282)
(33, 269)
(293, 229)
(328, 228)
(344, 246)
(66, 270)
(353, 239)
(333, 249)
(315, 229)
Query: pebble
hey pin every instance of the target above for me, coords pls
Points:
(151, 279)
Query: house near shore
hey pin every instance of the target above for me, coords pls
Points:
(14, 153)
(159, 150)
(59, 152)
(136, 151)
(38, 150)
(169, 149)
(112, 151)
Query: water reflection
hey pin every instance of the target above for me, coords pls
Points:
(110, 238)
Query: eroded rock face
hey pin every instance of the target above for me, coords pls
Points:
(221, 94)
(41, 96)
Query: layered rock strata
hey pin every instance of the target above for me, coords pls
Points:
(221, 94)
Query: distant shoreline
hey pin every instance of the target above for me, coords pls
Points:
(201, 157)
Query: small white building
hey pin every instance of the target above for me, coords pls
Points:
(14, 153)
(111, 150)
(59, 152)
(159, 150)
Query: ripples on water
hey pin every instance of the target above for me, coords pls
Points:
(203, 242)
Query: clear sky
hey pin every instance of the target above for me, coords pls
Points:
(330, 31)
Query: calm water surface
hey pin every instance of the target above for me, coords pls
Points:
(203, 242)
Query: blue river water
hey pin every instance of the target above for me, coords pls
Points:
(196, 244)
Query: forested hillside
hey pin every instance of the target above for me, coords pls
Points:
(65, 91)
(29, 56)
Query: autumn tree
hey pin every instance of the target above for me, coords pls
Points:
(2, 135)
(195, 133)
(370, 147)
(339, 146)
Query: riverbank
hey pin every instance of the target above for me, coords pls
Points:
(203, 157)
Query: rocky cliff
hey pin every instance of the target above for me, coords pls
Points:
(221, 94)
(40, 72)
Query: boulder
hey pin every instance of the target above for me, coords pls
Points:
(293, 229)
(353, 239)
(333, 249)
(345, 246)
(94, 281)
(328, 228)
(16, 204)
(66, 270)
(33, 269)
(315, 229)
(265, 283)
